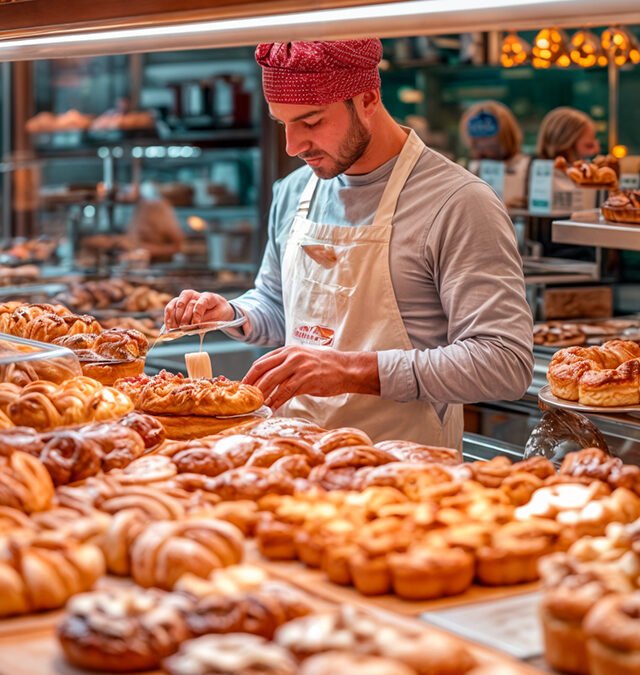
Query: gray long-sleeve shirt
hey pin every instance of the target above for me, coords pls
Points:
(455, 270)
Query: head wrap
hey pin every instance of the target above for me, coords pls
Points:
(318, 73)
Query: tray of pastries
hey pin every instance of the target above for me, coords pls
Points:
(623, 207)
(554, 334)
(603, 378)
(602, 172)
(113, 294)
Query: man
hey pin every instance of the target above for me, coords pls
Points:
(391, 275)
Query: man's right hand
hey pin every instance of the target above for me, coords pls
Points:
(191, 307)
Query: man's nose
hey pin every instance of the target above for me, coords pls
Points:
(296, 142)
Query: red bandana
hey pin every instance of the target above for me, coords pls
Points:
(318, 73)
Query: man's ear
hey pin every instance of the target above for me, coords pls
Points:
(371, 102)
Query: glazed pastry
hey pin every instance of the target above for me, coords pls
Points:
(231, 654)
(596, 375)
(44, 405)
(516, 548)
(405, 451)
(123, 630)
(260, 610)
(25, 483)
(164, 551)
(44, 573)
(423, 573)
(119, 444)
(612, 635)
(573, 588)
(176, 395)
(70, 457)
(201, 460)
(146, 470)
(341, 438)
(148, 428)
(279, 448)
(243, 483)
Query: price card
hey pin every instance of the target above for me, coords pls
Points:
(511, 625)
(630, 181)
(541, 186)
(492, 172)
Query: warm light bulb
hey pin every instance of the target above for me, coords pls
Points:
(619, 151)
(586, 49)
(617, 43)
(551, 46)
(515, 51)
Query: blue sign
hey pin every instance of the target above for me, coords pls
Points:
(482, 125)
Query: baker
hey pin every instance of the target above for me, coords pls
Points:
(391, 281)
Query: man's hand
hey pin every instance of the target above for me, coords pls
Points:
(292, 371)
(192, 307)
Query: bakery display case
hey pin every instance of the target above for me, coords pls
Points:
(23, 361)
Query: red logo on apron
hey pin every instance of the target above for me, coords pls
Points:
(314, 335)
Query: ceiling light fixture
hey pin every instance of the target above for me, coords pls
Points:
(391, 19)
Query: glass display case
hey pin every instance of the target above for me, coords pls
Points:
(23, 361)
(109, 132)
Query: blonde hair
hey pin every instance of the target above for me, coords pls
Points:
(509, 134)
(559, 133)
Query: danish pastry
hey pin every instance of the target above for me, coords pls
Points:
(170, 394)
(123, 630)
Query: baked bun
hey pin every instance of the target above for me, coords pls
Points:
(187, 427)
(608, 375)
(123, 630)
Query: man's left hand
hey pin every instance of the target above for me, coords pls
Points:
(294, 370)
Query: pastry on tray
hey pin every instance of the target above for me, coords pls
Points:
(43, 573)
(124, 629)
(174, 394)
(190, 408)
(602, 172)
(605, 376)
(45, 405)
(622, 207)
(109, 355)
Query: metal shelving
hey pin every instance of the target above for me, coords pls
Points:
(589, 228)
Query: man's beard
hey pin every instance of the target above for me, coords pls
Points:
(351, 149)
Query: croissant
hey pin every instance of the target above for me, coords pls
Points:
(166, 393)
(44, 405)
(166, 550)
(44, 573)
(25, 483)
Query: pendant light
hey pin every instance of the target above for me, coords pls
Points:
(515, 51)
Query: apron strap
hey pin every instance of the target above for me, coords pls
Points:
(304, 204)
(409, 155)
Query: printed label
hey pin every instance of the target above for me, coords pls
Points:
(314, 335)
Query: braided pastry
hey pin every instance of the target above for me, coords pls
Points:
(44, 573)
(25, 484)
(44, 405)
(166, 393)
(48, 327)
(123, 630)
(164, 551)
(608, 375)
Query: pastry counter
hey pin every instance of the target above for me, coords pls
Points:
(180, 524)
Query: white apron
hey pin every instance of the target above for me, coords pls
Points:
(337, 294)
